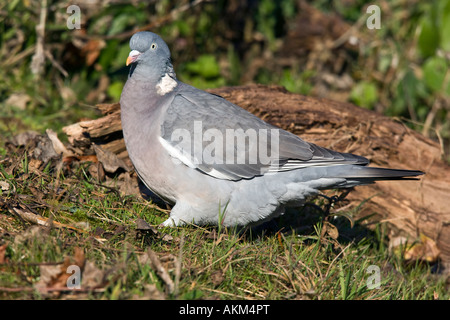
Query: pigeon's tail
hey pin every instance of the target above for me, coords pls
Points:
(361, 175)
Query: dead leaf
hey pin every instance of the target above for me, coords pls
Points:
(150, 257)
(88, 158)
(127, 185)
(91, 50)
(143, 226)
(79, 257)
(19, 100)
(34, 165)
(330, 229)
(426, 249)
(44, 150)
(25, 139)
(167, 238)
(92, 277)
(4, 186)
(54, 277)
(109, 160)
(217, 277)
(58, 146)
(96, 171)
(49, 275)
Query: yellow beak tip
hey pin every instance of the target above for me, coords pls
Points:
(129, 61)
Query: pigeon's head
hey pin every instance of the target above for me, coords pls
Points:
(150, 53)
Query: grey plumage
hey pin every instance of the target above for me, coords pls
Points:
(204, 154)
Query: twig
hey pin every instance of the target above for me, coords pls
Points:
(26, 289)
(178, 264)
(35, 219)
(161, 271)
(37, 62)
(55, 63)
(430, 117)
(21, 55)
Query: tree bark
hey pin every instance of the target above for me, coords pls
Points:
(413, 210)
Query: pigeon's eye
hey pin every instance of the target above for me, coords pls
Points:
(153, 46)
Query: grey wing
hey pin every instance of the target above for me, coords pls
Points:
(218, 138)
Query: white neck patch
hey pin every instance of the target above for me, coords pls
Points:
(165, 85)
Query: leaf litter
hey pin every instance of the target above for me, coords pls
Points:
(39, 193)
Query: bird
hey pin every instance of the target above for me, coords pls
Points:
(214, 162)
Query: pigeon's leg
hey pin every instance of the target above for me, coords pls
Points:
(179, 215)
(171, 222)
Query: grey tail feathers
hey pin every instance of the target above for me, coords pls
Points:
(362, 175)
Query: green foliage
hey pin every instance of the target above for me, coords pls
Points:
(404, 69)
(294, 82)
(203, 73)
(434, 72)
(364, 94)
(428, 40)
(205, 66)
(115, 90)
(434, 28)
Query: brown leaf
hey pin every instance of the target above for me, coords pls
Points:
(109, 160)
(56, 276)
(96, 171)
(330, 229)
(88, 158)
(25, 138)
(4, 186)
(92, 277)
(19, 100)
(217, 277)
(79, 257)
(44, 150)
(426, 249)
(48, 277)
(143, 227)
(58, 146)
(127, 185)
(53, 276)
(34, 165)
(92, 50)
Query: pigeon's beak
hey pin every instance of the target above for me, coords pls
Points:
(134, 54)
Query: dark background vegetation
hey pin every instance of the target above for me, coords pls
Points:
(318, 48)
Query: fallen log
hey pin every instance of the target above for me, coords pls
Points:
(412, 210)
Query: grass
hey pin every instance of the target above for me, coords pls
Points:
(306, 260)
